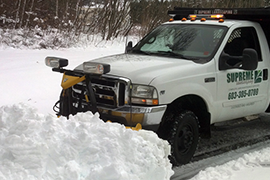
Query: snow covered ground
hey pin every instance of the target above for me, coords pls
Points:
(34, 144)
(251, 166)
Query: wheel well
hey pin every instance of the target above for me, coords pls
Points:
(195, 104)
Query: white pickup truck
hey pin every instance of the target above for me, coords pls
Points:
(203, 66)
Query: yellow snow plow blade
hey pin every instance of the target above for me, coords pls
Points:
(69, 81)
(136, 128)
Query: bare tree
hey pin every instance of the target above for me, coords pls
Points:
(110, 18)
(113, 18)
(56, 8)
(22, 13)
(17, 18)
(29, 13)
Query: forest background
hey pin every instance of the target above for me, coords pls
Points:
(61, 23)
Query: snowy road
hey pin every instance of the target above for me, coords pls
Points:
(190, 170)
(229, 141)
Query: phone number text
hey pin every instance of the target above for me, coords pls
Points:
(243, 93)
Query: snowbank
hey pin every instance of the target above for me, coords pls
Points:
(36, 146)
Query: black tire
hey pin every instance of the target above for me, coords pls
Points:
(183, 137)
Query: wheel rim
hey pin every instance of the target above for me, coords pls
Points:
(185, 139)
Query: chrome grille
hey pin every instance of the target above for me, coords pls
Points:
(109, 92)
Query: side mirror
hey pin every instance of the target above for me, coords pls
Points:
(129, 46)
(248, 60)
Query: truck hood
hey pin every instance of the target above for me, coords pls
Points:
(142, 68)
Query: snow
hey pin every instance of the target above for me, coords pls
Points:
(34, 144)
(251, 166)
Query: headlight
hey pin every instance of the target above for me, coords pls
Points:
(142, 94)
(56, 62)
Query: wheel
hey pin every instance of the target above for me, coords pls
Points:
(183, 137)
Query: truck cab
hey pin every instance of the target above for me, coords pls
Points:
(203, 66)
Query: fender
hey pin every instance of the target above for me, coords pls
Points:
(194, 89)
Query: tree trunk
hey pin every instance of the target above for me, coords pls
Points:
(17, 18)
(29, 14)
(22, 14)
(56, 8)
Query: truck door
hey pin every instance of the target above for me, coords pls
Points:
(241, 92)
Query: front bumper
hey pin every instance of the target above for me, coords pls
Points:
(132, 115)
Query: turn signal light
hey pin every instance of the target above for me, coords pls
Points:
(144, 101)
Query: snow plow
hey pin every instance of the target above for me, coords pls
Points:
(67, 104)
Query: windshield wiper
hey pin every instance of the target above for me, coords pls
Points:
(165, 53)
(137, 51)
(172, 54)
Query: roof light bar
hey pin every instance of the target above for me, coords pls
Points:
(206, 16)
(255, 14)
(217, 16)
(192, 16)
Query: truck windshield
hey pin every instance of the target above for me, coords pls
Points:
(194, 42)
